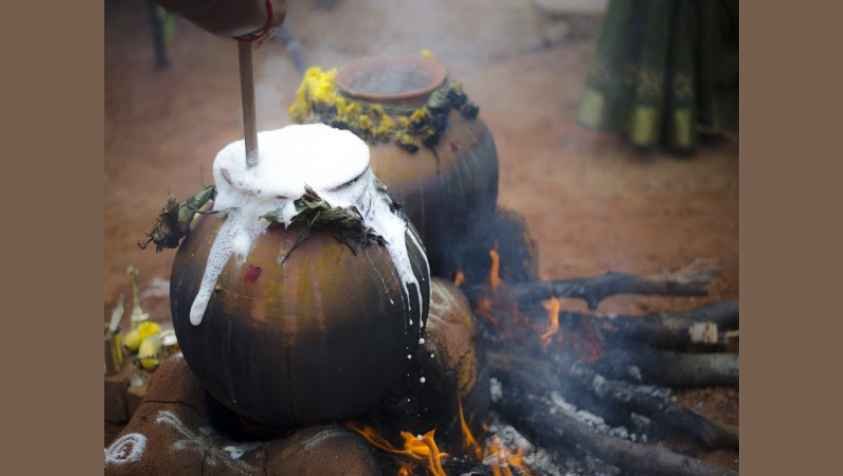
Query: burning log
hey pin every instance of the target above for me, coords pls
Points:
(613, 399)
(687, 282)
(649, 401)
(551, 424)
(700, 326)
(704, 326)
(670, 369)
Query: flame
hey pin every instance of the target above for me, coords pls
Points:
(553, 305)
(502, 460)
(422, 448)
(469, 441)
(498, 305)
(494, 269)
(459, 278)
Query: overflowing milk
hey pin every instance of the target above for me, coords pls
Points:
(333, 162)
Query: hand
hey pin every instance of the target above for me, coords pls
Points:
(232, 18)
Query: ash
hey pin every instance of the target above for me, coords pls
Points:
(594, 421)
(539, 460)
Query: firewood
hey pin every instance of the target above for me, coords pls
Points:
(612, 399)
(641, 364)
(648, 401)
(543, 421)
(594, 290)
(702, 327)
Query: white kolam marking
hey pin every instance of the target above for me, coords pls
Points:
(126, 449)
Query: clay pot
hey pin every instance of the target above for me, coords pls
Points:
(232, 18)
(319, 337)
(444, 188)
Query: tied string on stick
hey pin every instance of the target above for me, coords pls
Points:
(259, 36)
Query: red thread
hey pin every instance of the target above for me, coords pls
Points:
(260, 35)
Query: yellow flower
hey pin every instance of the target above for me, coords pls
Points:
(138, 334)
(385, 127)
(148, 352)
(317, 86)
(419, 115)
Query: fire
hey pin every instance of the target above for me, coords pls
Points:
(421, 448)
(494, 269)
(459, 278)
(502, 460)
(469, 441)
(553, 305)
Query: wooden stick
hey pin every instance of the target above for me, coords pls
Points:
(646, 400)
(667, 330)
(247, 91)
(536, 417)
(593, 290)
(579, 383)
(671, 369)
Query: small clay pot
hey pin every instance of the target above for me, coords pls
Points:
(231, 18)
(443, 189)
(320, 337)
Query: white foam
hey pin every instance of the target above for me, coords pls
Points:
(333, 162)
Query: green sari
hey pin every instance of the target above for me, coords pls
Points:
(665, 72)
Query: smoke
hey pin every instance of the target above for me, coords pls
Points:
(458, 32)
(463, 35)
